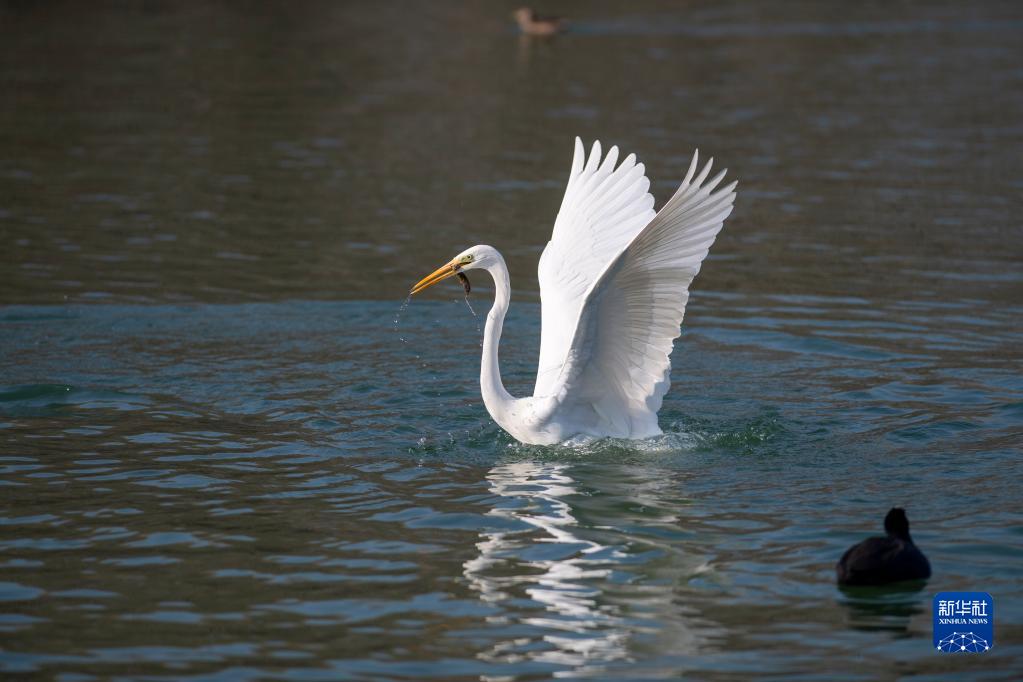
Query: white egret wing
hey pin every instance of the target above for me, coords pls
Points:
(603, 210)
(617, 368)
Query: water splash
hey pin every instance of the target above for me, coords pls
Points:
(408, 300)
(397, 318)
(479, 329)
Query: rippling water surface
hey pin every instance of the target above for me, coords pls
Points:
(222, 458)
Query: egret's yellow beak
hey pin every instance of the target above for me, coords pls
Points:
(438, 275)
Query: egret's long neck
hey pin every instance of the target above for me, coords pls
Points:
(495, 397)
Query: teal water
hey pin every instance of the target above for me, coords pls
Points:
(222, 459)
(289, 490)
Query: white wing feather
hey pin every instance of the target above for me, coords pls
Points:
(603, 210)
(615, 370)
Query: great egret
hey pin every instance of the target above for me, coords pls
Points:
(614, 282)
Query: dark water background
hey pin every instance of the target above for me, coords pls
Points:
(220, 460)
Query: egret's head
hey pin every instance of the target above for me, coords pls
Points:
(479, 256)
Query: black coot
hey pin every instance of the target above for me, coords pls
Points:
(891, 559)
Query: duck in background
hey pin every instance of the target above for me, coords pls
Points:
(883, 560)
(532, 24)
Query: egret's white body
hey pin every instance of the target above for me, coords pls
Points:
(614, 282)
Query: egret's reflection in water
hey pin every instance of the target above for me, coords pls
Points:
(584, 594)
